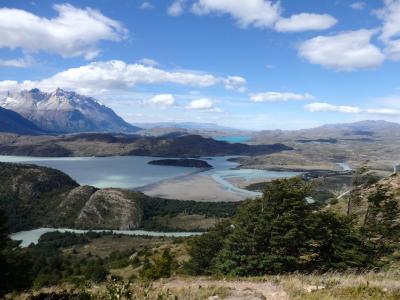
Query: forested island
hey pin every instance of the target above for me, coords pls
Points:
(182, 162)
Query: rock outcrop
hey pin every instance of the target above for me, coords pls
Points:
(35, 196)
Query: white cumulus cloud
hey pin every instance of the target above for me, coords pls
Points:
(279, 97)
(235, 83)
(8, 85)
(23, 62)
(203, 104)
(97, 77)
(163, 100)
(263, 14)
(148, 62)
(390, 34)
(74, 32)
(304, 22)
(383, 111)
(258, 13)
(146, 5)
(326, 107)
(358, 5)
(345, 51)
(176, 8)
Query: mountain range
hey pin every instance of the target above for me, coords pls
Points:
(65, 112)
(204, 129)
(11, 121)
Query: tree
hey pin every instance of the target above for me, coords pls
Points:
(381, 226)
(15, 268)
(203, 249)
(279, 232)
(162, 267)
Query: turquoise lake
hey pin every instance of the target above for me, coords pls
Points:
(132, 172)
(233, 139)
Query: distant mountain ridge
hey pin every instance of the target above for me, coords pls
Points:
(339, 130)
(65, 112)
(181, 128)
(186, 126)
(13, 122)
(364, 125)
(107, 144)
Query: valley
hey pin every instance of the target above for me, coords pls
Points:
(168, 203)
(121, 205)
(200, 150)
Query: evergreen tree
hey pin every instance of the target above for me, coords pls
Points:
(381, 228)
(280, 232)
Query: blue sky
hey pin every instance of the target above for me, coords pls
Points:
(253, 64)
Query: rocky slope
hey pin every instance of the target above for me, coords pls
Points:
(111, 144)
(360, 200)
(35, 196)
(13, 122)
(63, 111)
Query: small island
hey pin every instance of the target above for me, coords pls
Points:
(182, 162)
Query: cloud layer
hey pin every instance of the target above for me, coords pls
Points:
(305, 22)
(74, 32)
(326, 107)
(23, 62)
(279, 97)
(390, 35)
(176, 8)
(263, 14)
(115, 74)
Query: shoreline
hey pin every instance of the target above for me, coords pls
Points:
(196, 187)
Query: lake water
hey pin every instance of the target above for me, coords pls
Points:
(345, 166)
(248, 175)
(119, 171)
(134, 171)
(32, 236)
(233, 139)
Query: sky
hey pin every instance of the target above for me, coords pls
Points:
(249, 64)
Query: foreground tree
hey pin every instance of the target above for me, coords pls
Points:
(281, 232)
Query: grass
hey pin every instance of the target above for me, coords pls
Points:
(181, 222)
(186, 293)
(330, 286)
(107, 244)
(355, 293)
(373, 286)
(140, 291)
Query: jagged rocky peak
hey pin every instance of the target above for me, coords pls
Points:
(65, 111)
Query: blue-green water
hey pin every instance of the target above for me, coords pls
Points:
(134, 171)
(32, 236)
(103, 172)
(233, 139)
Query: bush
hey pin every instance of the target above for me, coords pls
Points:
(161, 267)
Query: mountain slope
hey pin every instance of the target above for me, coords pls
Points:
(35, 196)
(105, 144)
(359, 202)
(63, 111)
(324, 134)
(204, 129)
(12, 122)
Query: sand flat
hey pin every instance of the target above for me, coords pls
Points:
(197, 187)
